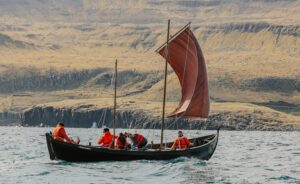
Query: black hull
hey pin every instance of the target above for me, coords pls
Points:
(203, 148)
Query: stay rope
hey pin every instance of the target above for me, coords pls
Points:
(103, 116)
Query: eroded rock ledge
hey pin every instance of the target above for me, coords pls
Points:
(85, 116)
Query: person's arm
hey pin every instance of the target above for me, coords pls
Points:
(175, 144)
(100, 140)
(65, 136)
(112, 143)
(188, 142)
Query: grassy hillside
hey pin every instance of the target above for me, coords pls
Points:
(65, 50)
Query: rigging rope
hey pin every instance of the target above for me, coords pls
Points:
(103, 116)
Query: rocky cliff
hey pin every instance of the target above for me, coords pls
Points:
(31, 79)
(10, 118)
(85, 115)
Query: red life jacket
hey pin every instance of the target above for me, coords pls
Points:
(181, 143)
(106, 139)
(121, 142)
(59, 133)
(139, 140)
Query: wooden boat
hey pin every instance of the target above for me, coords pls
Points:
(203, 149)
(183, 53)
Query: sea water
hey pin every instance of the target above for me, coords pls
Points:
(240, 157)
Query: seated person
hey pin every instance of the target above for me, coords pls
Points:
(60, 134)
(181, 142)
(138, 140)
(121, 142)
(106, 139)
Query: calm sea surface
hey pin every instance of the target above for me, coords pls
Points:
(241, 157)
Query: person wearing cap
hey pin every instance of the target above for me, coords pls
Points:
(181, 142)
(60, 134)
(106, 139)
(138, 140)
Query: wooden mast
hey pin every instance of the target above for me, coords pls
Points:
(165, 88)
(115, 103)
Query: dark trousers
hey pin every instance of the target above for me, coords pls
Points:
(143, 143)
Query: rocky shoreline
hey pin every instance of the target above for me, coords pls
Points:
(10, 118)
(84, 117)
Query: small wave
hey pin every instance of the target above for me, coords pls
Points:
(179, 159)
(268, 169)
(176, 160)
(43, 173)
(284, 178)
(38, 174)
(200, 163)
(60, 163)
(282, 144)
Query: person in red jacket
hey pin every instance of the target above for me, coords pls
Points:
(60, 134)
(181, 142)
(138, 141)
(106, 139)
(121, 142)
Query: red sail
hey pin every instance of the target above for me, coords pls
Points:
(186, 58)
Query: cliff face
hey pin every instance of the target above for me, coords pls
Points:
(33, 80)
(86, 115)
(6, 41)
(291, 30)
(10, 118)
(251, 36)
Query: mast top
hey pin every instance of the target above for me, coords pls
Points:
(173, 36)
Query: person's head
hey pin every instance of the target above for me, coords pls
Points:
(180, 134)
(105, 130)
(61, 124)
(121, 134)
